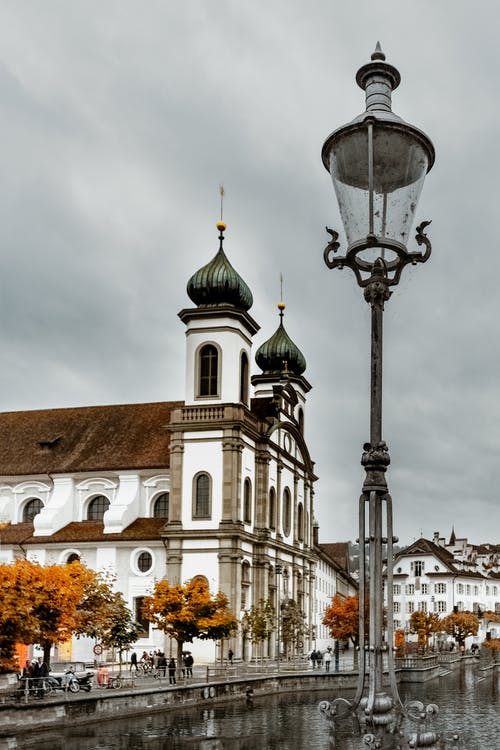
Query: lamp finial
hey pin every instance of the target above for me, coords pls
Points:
(378, 54)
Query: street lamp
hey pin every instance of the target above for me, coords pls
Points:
(378, 163)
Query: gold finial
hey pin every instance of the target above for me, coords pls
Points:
(220, 224)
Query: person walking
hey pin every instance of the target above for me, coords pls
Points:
(327, 658)
(171, 671)
(133, 661)
(188, 663)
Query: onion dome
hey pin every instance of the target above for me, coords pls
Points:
(279, 354)
(218, 283)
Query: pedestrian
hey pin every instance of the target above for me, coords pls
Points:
(171, 671)
(230, 656)
(188, 662)
(133, 661)
(162, 663)
(314, 658)
(327, 659)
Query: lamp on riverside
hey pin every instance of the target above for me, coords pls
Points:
(378, 163)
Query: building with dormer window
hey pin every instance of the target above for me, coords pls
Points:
(218, 484)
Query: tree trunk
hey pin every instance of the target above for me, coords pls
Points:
(46, 652)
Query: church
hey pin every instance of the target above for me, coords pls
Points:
(218, 485)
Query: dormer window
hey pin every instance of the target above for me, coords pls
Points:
(97, 508)
(32, 509)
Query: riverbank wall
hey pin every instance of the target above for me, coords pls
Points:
(103, 704)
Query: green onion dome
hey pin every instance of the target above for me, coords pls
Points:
(279, 354)
(218, 283)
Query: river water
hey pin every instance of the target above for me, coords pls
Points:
(469, 702)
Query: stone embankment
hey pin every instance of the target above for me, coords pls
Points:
(139, 696)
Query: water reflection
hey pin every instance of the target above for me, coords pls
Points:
(469, 701)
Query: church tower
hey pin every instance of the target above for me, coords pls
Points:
(219, 333)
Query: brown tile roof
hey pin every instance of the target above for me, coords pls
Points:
(142, 529)
(339, 552)
(87, 438)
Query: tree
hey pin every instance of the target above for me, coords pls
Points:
(189, 611)
(424, 624)
(20, 591)
(460, 625)
(293, 625)
(259, 621)
(123, 631)
(57, 611)
(48, 604)
(342, 619)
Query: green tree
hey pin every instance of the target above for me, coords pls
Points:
(190, 611)
(293, 625)
(123, 631)
(259, 622)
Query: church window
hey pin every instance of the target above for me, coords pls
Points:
(201, 499)
(32, 509)
(208, 370)
(244, 379)
(144, 562)
(73, 557)
(287, 511)
(272, 508)
(247, 501)
(97, 508)
(300, 522)
(160, 507)
(301, 421)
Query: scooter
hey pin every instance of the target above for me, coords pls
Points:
(66, 681)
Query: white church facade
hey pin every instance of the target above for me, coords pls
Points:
(218, 485)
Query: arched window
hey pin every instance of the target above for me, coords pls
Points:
(287, 511)
(208, 370)
(300, 522)
(97, 508)
(245, 584)
(272, 508)
(160, 507)
(201, 496)
(32, 509)
(73, 557)
(301, 421)
(247, 501)
(244, 378)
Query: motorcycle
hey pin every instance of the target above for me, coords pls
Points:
(69, 680)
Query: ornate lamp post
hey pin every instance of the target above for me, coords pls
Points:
(378, 163)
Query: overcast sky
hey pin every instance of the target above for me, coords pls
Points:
(118, 122)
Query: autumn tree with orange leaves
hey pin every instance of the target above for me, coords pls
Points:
(424, 624)
(48, 604)
(342, 619)
(460, 625)
(188, 612)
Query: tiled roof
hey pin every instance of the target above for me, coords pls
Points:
(142, 529)
(339, 552)
(87, 438)
(426, 547)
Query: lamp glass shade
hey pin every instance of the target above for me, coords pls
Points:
(381, 199)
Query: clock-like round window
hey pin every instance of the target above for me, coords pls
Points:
(145, 562)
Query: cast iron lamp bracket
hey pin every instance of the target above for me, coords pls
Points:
(353, 260)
